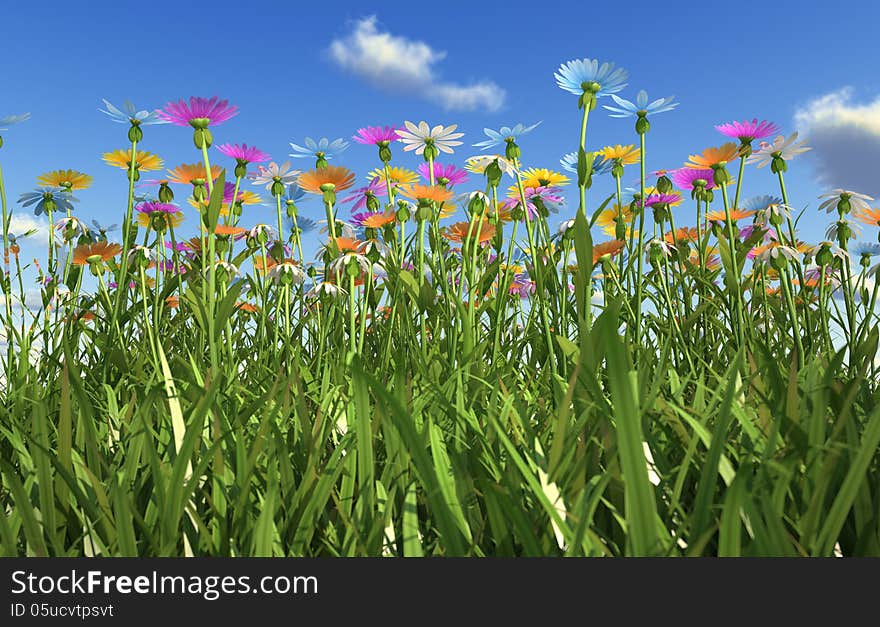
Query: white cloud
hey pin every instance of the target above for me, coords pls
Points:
(845, 137)
(21, 223)
(395, 62)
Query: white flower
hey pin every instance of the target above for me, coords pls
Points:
(225, 270)
(875, 271)
(856, 200)
(343, 229)
(855, 230)
(778, 250)
(417, 137)
(777, 209)
(479, 163)
(287, 272)
(260, 233)
(326, 288)
(139, 253)
(565, 225)
(338, 265)
(781, 147)
(267, 175)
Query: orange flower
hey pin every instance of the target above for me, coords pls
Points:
(611, 247)
(378, 220)
(868, 216)
(144, 161)
(735, 214)
(173, 302)
(713, 156)
(186, 173)
(684, 234)
(225, 230)
(262, 265)
(341, 178)
(99, 251)
(426, 192)
(458, 232)
(248, 307)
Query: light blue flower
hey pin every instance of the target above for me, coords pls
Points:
(626, 109)
(871, 249)
(569, 163)
(760, 203)
(572, 77)
(504, 134)
(10, 120)
(41, 196)
(295, 192)
(312, 148)
(305, 224)
(129, 114)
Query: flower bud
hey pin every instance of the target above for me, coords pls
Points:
(329, 193)
(372, 201)
(290, 208)
(166, 195)
(664, 185)
(240, 168)
(617, 169)
(431, 151)
(321, 161)
(778, 262)
(403, 212)
(512, 152)
(493, 174)
(277, 187)
(135, 133)
(719, 173)
(384, 151)
(778, 164)
(642, 124)
(477, 204)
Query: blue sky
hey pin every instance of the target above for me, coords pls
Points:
(774, 60)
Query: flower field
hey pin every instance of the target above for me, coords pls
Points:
(470, 365)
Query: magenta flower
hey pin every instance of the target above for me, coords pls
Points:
(179, 246)
(243, 153)
(746, 232)
(156, 207)
(360, 195)
(548, 197)
(684, 178)
(452, 174)
(375, 134)
(747, 131)
(199, 113)
(663, 199)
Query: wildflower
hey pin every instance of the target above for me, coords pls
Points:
(843, 231)
(376, 135)
(323, 149)
(713, 157)
(243, 155)
(622, 155)
(669, 200)
(777, 254)
(327, 181)
(70, 227)
(433, 193)
(682, 234)
(200, 113)
(366, 196)
(542, 177)
(47, 199)
(143, 161)
(478, 164)
(569, 163)
(539, 200)
(565, 227)
(693, 179)
(446, 175)
(609, 219)
(760, 203)
(325, 288)
(395, 175)
(776, 154)
(373, 220)
(260, 234)
(866, 248)
(158, 216)
(609, 249)
(139, 256)
(173, 302)
(503, 135)
(274, 177)
(868, 216)
(352, 262)
(428, 141)
(735, 214)
(747, 132)
(844, 200)
(521, 285)
(90, 254)
(225, 271)
(225, 230)
(640, 109)
(589, 80)
(246, 307)
(66, 179)
(658, 249)
(481, 233)
(103, 229)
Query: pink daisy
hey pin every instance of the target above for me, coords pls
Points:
(199, 112)
(375, 134)
(748, 131)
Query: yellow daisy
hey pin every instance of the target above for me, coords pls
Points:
(542, 177)
(68, 179)
(627, 155)
(173, 220)
(144, 161)
(397, 175)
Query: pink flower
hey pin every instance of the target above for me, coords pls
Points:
(376, 188)
(200, 112)
(684, 178)
(243, 153)
(748, 131)
(375, 134)
(156, 207)
(451, 173)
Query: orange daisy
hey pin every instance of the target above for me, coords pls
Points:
(713, 156)
(68, 179)
(868, 216)
(341, 178)
(458, 232)
(683, 234)
(226, 230)
(735, 214)
(92, 253)
(173, 302)
(378, 220)
(426, 192)
(248, 307)
(186, 173)
(611, 247)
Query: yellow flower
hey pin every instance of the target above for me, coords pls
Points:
(397, 175)
(186, 173)
(68, 179)
(542, 177)
(606, 219)
(144, 161)
(627, 155)
(173, 220)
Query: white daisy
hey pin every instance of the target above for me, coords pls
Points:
(781, 147)
(417, 137)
